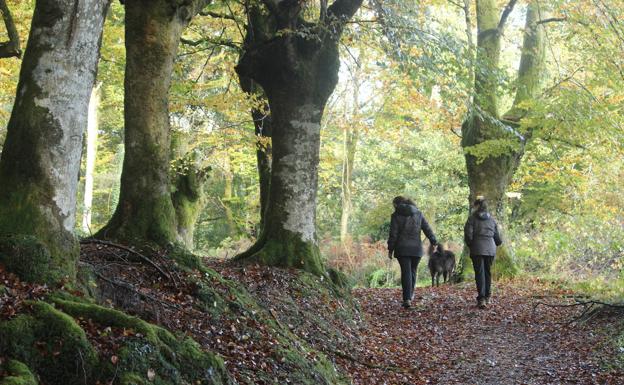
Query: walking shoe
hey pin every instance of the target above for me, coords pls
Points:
(407, 304)
(481, 304)
(487, 301)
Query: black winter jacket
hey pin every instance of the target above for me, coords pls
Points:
(481, 234)
(405, 225)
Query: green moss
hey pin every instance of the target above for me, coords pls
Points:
(51, 343)
(173, 360)
(504, 265)
(339, 279)
(286, 249)
(18, 374)
(150, 221)
(185, 258)
(33, 242)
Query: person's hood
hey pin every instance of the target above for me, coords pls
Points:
(483, 215)
(406, 210)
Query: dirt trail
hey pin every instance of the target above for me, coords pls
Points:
(445, 339)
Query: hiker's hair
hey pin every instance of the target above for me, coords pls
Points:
(480, 204)
(409, 202)
(398, 200)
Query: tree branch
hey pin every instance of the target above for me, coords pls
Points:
(216, 15)
(195, 43)
(9, 48)
(552, 19)
(503, 19)
(344, 9)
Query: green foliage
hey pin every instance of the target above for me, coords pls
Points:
(383, 278)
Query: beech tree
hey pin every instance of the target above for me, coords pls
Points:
(145, 212)
(41, 156)
(494, 144)
(296, 63)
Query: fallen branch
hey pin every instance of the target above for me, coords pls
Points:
(581, 303)
(131, 251)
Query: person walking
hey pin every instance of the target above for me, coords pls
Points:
(404, 242)
(481, 237)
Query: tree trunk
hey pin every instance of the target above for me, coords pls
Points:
(40, 162)
(145, 211)
(226, 202)
(10, 48)
(262, 123)
(351, 135)
(189, 197)
(298, 73)
(92, 134)
(490, 175)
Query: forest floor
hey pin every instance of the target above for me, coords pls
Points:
(519, 339)
(276, 326)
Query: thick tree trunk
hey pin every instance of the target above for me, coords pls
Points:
(298, 74)
(492, 175)
(92, 134)
(289, 236)
(489, 175)
(145, 211)
(41, 157)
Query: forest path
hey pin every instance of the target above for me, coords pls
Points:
(445, 339)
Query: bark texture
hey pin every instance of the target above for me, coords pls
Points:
(296, 64)
(491, 175)
(145, 212)
(92, 134)
(41, 157)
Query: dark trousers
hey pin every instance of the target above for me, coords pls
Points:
(482, 265)
(408, 275)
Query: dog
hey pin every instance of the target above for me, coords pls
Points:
(441, 262)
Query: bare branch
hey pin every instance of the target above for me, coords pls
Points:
(216, 42)
(503, 19)
(552, 20)
(9, 48)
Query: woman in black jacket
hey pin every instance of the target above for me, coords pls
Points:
(404, 242)
(482, 237)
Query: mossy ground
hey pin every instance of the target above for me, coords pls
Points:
(200, 325)
(283, 248)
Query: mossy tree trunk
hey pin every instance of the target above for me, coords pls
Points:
(41, 156)
(145, 212)
(499, 142)
(189, 196)
(296, 63)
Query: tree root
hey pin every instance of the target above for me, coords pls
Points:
(129, 250)
(591, 308)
